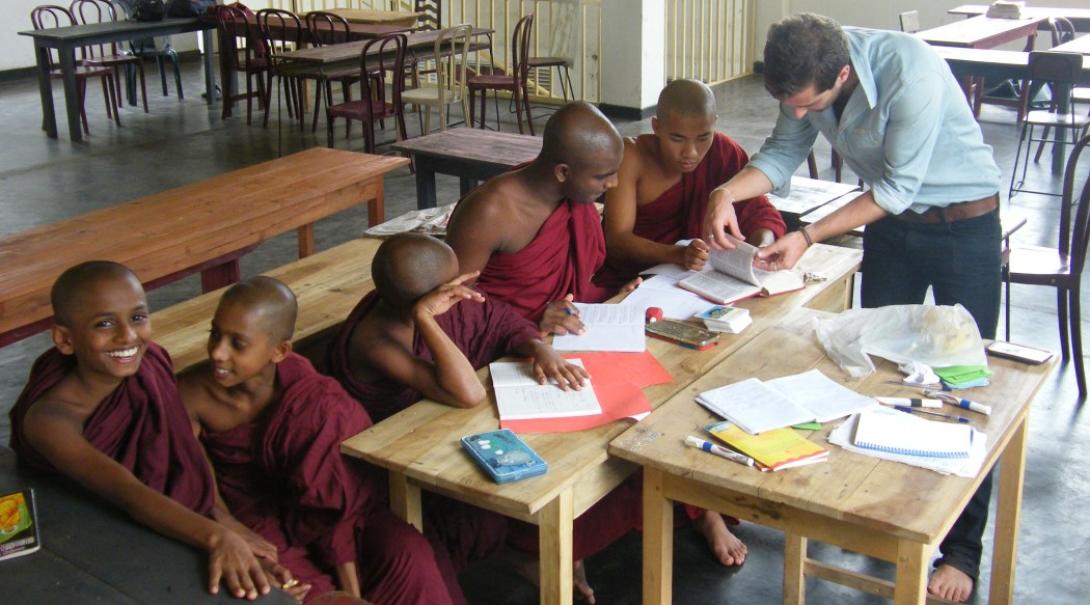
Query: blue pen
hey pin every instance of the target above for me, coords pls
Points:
(966, 404)
(908, 410)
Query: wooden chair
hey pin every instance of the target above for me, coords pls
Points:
(516, 82)
(1062, 32)
(1060, 267)
(910, 21)
(451, 55)
(51, 16)
(270, 20)
(385, 55)
(1060, 71)
(252, 59)
(107, 55)
(329, 28)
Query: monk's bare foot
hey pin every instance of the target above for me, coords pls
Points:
(527, 567)
(728, 549)
(950, 583)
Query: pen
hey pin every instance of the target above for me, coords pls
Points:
(722, 452)
(965, 404)
(908, 410)
(912, 402)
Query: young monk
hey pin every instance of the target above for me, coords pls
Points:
(272, 427)
(102, 407)
(663, 187)
(533, 233)
(424, 333)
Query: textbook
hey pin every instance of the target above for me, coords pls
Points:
(734, 277)
(773, 451)
(18, 525)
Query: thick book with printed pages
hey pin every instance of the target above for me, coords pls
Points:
(18, 525)
(733, 277)
(774, 450)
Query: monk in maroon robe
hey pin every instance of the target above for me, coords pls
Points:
(663, 187)
(102, 408)
(533, 233)
(272, 427)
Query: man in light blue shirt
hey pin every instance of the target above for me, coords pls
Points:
(890, 107)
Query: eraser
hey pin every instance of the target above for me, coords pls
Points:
(653, 314)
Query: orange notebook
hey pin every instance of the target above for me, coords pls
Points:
(774, 450)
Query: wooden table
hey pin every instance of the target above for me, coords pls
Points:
(203, 227)
(419, 446)
(983, 32)
(336, 56)
(809, 194)
(362, 15)
(1079, 17)
(882, 509)
(471, 154)
(1079, 45)
(93, 553)
(67, 39)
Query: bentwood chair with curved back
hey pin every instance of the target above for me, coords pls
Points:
(516, 82)
(380, 56)
(51, 16)
(1062, 32)
(251, 60)
(283, 32)
(107, 55)
(326, 28)
(1061, 267)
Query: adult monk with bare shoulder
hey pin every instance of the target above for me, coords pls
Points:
(534, 233)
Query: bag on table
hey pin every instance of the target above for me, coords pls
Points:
(148, 10)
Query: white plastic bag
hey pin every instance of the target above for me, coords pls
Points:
(937, 336)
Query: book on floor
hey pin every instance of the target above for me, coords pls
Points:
(734, 277)
(18, 525)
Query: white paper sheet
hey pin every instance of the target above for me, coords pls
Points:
(608, 328)
(520, 397)
(754, 406)
(807, 194)
(661, 291)
(825, 398)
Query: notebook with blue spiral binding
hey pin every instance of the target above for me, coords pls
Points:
(896, 432)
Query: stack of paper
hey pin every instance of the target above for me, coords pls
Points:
(773, 451)
(1004, 9)
(520, 397)
(758, 406)
(608, 328)
(964, 377)
(431, 221)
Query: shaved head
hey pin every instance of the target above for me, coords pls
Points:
(272, 302)
(409, 265)
(73, 286)
(686, 98)
(576, 132)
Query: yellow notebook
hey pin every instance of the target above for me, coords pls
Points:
(772, 450)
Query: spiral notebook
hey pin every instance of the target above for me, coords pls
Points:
(896, 432)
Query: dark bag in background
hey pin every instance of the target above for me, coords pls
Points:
(189, 8)
(148, 10)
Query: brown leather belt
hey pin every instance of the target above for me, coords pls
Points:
(952, 213)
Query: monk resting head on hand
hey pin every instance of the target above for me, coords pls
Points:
(102, 407)
(425, 329)
(664, 186)
(533, 233)
(266, 417)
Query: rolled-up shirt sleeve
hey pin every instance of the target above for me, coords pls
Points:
(784, 150)
(913, 126)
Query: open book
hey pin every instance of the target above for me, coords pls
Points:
(734, 277)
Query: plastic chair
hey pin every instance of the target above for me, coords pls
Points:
(51, 16)
(451, 55)
(251, 60)
(107, 55)
(282, 22)
(1060, 267)
(328, 28)
(516, 82)
(380, 56)
(1060, 71)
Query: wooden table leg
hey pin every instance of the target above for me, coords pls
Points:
(911, 586)
(658, 540)
(45, 87)
(376, 207)
(71, 92)
(209, 66)
(1007, 516)
(555, 546)
(306, 240)
(220, 276)
(405, 500)
(794, 569)
(425, 182)
(466, 184)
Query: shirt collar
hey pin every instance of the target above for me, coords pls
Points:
(857, 51)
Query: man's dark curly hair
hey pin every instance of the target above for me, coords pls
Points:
(802, 50)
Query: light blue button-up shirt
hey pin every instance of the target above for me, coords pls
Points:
(906, 129)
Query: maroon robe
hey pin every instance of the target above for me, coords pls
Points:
(141, 424)
(484, 332)
(679, 212)
(284, 477)
(562, 259)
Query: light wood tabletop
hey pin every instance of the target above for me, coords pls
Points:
(420, 445)
(983, 32)
(883, 509)
(362, 15)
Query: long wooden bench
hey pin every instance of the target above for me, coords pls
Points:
(204, 227)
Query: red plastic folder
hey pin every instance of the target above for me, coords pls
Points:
(619, 379)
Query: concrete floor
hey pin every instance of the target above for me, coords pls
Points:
(44, 180)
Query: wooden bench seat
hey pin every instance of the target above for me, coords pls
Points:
(204, 227)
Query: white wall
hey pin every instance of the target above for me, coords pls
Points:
(882, 14)
(18, 51)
